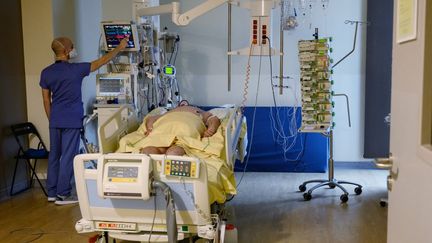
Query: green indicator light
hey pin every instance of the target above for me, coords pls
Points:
(185, 228)
(169, 70)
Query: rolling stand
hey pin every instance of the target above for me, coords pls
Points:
(331, 181)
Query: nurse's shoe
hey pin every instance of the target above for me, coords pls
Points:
(52, 199)
(64, 200)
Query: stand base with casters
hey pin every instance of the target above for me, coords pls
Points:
(332, 184)
(331, 181)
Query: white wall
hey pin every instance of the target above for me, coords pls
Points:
(202, 63)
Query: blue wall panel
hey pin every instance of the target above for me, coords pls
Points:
(266, 155)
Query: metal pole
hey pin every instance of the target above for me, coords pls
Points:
(281, 61)
(170, 214)
(354, 46)
(348, 107)
(229, 45)
(330, 161)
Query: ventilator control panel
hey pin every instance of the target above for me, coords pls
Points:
(113, 88)
(182, 168)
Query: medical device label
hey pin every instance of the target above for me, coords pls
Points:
(116, 226)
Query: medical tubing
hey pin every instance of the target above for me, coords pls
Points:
(170, 210)
(247, 78)
(272, 86)
(176, 52)
(278, 126)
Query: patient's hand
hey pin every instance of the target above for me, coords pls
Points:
(148, 131)
(208, 133)
(212, 123)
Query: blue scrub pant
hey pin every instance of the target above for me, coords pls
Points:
(64, 145)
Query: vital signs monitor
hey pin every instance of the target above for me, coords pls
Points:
(115, 31)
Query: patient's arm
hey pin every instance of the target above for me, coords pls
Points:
(212, 122)
(149, 123)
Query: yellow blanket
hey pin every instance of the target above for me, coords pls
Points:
(184, 129)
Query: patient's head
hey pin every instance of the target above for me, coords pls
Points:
(184, 103)
(185, 106)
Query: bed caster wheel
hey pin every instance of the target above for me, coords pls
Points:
(358, 190)
(307, 196)
(332, 186)
(383, 204)
(344, 198)
(302, 188)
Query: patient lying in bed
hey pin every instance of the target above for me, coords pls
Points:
(193, 132)
(194, 123)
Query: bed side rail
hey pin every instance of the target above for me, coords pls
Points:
(119, 124)
(232, 135)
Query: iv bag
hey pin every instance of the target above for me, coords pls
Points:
(288, 15)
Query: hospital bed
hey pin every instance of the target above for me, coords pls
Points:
(114, 198)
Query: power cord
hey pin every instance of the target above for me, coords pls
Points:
(39, 234)
(253, 120)
(247, 78)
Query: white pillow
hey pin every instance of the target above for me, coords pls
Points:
(221, 113)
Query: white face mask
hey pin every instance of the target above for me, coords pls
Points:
(73, 53)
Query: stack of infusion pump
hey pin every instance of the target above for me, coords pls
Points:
(316, 86)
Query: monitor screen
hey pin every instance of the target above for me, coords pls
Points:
(114, 33)
(110, 85)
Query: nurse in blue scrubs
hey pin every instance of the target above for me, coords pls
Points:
(62, 99)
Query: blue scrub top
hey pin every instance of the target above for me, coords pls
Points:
(64, 80)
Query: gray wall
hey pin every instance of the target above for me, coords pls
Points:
(79, 20)
(13, 92)
(64, 18)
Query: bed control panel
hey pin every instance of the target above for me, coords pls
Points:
(125, 176)
(181, 167)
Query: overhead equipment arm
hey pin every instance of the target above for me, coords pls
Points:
(174, 8)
